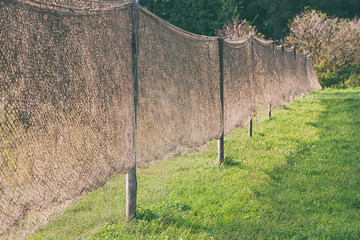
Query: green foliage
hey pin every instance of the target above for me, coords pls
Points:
(197, 16)
(236, 29)
(333, 44)
(341, 77)
(326, 75)
(203, 16)
(354, 79)
(297, 178)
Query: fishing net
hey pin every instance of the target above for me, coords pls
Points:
(280, 74)
(66, 103)
(311, 76)
(239, 87)
(68, 92)
(263, 71)
(257, 72)
(179, 90)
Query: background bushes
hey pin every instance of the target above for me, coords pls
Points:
(333, 45)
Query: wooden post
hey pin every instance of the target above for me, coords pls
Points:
(269, 111)
(250, 127)
(131, 181)
(131, 191)
(253, 71)
(220, 158)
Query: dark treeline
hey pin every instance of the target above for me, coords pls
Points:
(270, 17)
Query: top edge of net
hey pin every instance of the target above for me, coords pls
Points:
(68, 10)
(177, 29)
(242, 41)
(237, 42)
(264, 41)
(289, 50)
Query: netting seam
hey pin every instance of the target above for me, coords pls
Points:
(42, 7)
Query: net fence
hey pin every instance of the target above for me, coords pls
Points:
(66, 107)
(67, 96)
(179, 90)
(258, 72)
(239, 85)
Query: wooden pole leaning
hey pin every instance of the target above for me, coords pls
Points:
(220, 158)
(131, 180)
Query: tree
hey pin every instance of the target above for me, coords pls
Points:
(236, 29)
(197, 16)
(271, 17)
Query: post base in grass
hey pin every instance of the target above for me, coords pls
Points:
(220, 158)
(269, 111)
(131, 191)
(250, 128)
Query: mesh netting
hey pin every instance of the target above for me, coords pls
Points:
(304, 83)
(66, 104)
(282, 89)
(239, 87)
(291, 74)
(179, 90)
(280, 74)
(264, 72)
(67, 116)
(80, 7)
(258, 72)
(311, 79)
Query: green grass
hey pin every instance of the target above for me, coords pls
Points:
(297, 178)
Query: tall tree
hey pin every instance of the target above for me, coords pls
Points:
(271, 17)
(150, 4)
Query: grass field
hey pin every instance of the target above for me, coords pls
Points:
(297, 178)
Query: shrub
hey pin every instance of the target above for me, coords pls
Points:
(333, 45)
(236, 29)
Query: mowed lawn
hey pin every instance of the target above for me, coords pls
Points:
(298, 177)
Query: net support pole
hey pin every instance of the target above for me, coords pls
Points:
(220, 158)
(131, 191)
(250, 127)
(131, 180)
(269, 111)
(252, 77)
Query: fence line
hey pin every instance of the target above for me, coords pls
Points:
(85, 92)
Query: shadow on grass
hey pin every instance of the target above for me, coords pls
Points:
(171, 216)
(320, 180)
(286, 108)
(272, 118)
(312, 124)
(310, 196)
(146, 214)
(230, 162)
